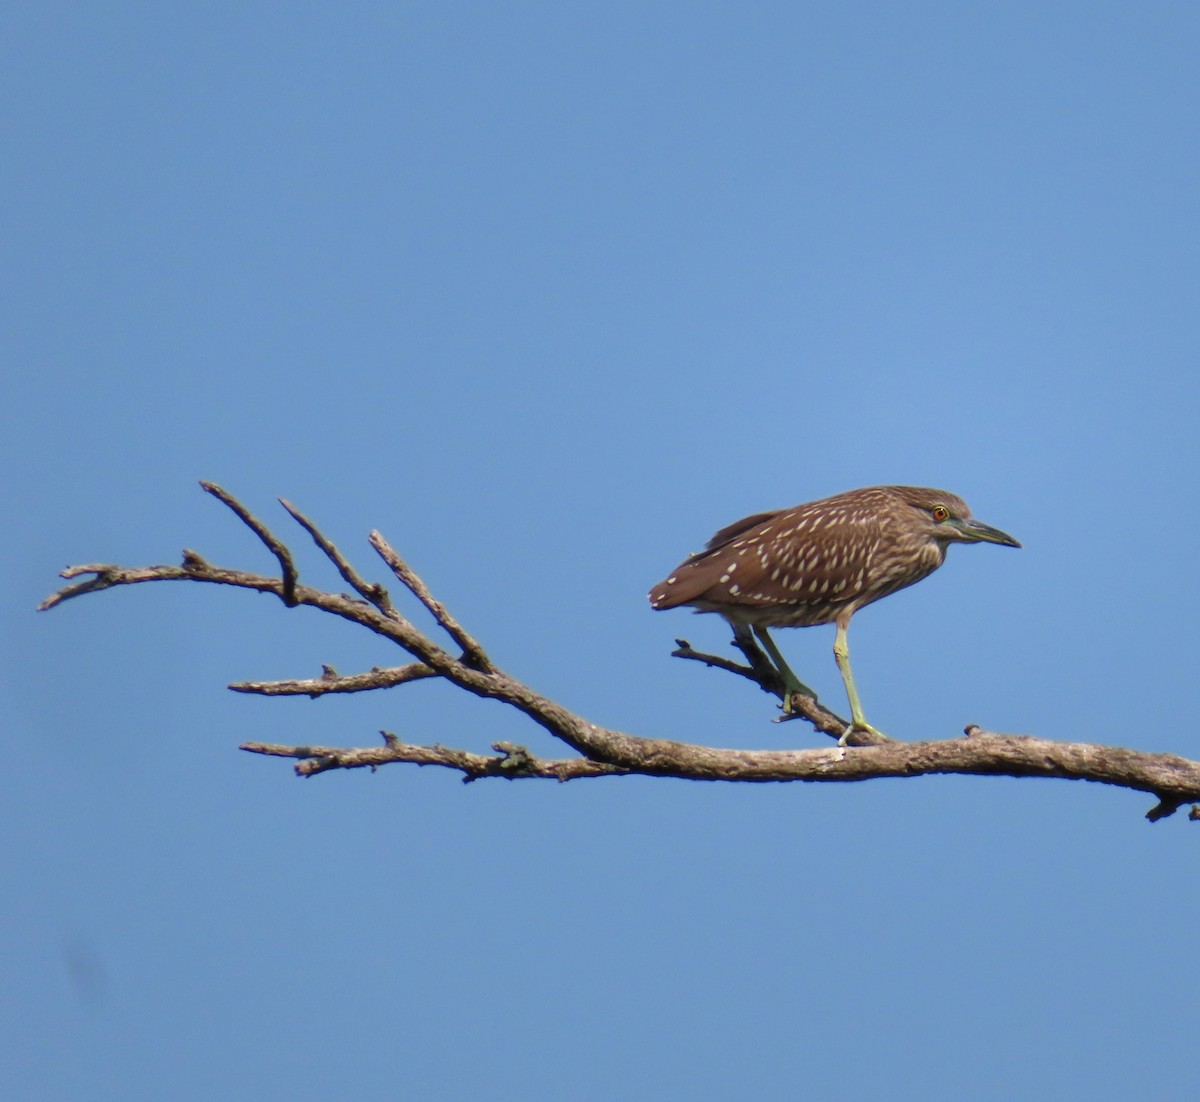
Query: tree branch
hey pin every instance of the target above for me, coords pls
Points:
(511, 762)
(1173, 781)
(286, 565)
(473, 653)
(332, 682)
(372, 591)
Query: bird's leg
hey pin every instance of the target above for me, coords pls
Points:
(791, 683)
(841, 652)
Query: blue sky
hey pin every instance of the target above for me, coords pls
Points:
(548, 293)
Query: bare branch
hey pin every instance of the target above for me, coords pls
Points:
(109, 575)
(511, 762)
(1172, 781)
(102, 580)
(683, 649)
(473, 653)
(290, 576)
(332, 682)
(372, 591)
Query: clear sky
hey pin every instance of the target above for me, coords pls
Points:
(549, 292)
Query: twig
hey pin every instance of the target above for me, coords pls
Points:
(286, 565)
(473, 654)
(511, 762)
(331, 682)
(372, 591)
(684, 649)
(195, 569)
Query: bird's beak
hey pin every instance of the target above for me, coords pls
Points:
(974, 531)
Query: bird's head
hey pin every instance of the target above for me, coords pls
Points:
(945, 518)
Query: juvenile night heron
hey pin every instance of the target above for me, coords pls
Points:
(819, 564)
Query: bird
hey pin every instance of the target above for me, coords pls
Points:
(819, 563)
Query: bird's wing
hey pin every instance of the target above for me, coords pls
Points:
(797, 557)
(707, 570)
(731, 531)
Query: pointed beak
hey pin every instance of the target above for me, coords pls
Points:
(974, 531)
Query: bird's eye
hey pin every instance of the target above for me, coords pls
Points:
(940, 513)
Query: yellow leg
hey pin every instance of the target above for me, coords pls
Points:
(791, 683)
(841, 652)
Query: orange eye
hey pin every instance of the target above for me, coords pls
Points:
(940, 513)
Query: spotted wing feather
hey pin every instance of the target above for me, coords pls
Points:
(698, 574)
(795, 566)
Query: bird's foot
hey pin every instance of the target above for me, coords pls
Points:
(861, 726)
(796, 688)
(787, 707)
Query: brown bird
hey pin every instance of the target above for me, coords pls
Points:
(819, 564)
